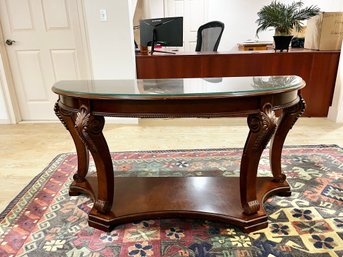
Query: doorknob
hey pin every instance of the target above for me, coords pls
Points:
(10, 42)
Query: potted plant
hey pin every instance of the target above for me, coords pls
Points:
(284, 18)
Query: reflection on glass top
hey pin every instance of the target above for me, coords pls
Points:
(175, 87)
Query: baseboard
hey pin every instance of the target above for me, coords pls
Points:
(5, 121)
(335, 115)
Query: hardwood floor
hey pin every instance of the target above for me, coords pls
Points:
(27, 148)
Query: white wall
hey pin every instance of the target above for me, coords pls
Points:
(336, 110)
(239, 17)
(153, 9)
(111, 42)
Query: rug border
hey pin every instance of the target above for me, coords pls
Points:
(15, 200)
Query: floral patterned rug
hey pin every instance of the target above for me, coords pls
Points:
(45, 221)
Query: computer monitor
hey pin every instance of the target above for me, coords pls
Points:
(162, 32)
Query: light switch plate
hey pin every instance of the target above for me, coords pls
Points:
(103, 15)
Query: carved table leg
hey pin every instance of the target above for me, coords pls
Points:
(286, 121)
(66, 117)
(262, 126)
(90, 130)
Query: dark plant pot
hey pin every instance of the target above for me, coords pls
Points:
(282, 42)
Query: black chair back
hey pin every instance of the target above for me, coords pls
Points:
(208, 36)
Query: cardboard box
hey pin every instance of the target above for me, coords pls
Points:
(324, 31)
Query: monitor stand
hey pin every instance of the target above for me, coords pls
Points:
(153, 45)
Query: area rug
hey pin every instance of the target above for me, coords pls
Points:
(45, 221)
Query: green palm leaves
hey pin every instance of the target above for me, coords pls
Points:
(284, 17)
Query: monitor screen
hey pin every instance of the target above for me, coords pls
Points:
(162, 31)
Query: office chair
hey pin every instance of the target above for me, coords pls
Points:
(208, 36)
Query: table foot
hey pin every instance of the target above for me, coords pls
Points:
(251, 207)
(103, 206)
(103, 225)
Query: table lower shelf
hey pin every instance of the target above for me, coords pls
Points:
(210, 198)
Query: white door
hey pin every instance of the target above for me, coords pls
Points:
(43, 46)
(194, 14)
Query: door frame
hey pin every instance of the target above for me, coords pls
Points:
(7, 84)
(6, 77)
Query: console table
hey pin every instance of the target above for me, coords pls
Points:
(82, 105)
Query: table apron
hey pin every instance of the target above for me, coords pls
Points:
(179, 107)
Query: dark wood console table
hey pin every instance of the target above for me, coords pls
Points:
(82, 105)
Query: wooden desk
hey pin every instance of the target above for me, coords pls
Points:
(82, 105)
(317, 68)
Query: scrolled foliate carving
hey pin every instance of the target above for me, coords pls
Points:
(81, 124)
(268, 125)
(296, 110)
(60, 113)
(87, 124)
(254, 123)
(263, 124)
(262, 120)
(96, 124)
(82, 118)
(268, 116)
(302, 106)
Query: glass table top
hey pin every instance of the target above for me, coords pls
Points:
(179, 87)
